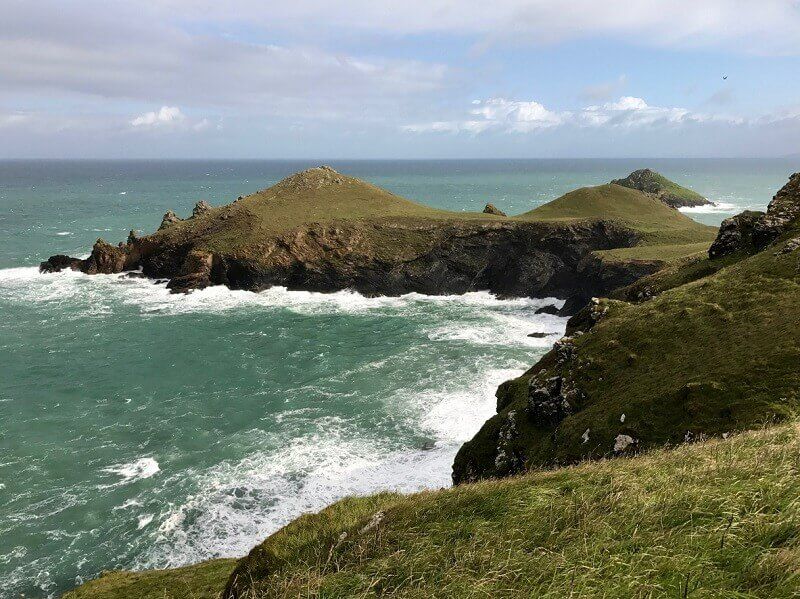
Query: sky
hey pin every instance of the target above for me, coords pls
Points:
(411, 79)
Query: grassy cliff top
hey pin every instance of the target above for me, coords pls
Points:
(669, 192)
(321, 195)
(316, 195)
(712, 519)
(657, 223)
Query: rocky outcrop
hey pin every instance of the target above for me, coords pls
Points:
(751, 232)
(661, 188)
(492, 209)
(318, 230)
(512, 259)
(60, 262)
(200, 208)
(170, 218)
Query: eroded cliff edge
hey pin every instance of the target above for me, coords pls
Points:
(701, 349)
(319, 230)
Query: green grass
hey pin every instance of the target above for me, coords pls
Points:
(706, 520)
(657, 223)
(320, 196)
(200, 581)
(314, 196)
(666, 253)
(716, 350)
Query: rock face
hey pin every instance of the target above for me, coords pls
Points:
(170, 218)
(492, 209)
(661, 188)
(753, 231)
(200, 208)
(431, 255)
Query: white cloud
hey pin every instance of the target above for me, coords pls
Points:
(514, 116)
(519, 116)
(167, 115)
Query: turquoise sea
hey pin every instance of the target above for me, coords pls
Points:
(141, 429)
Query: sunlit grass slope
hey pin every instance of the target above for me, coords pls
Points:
(714, 519)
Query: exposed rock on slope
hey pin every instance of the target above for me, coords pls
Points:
(661, 188)
(492, 209)
(319, 230)
(711, 348)
(754, 231)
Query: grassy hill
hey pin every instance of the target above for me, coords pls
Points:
(321, 195)
(658, 186)
(712, 519)
(665, 234)
(714, 349)
(317, 195)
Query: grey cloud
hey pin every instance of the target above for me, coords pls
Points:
(121, 52)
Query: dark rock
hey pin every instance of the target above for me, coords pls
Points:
(549, 309)
(539, 335)
(492, 209)
(196, 273)
(735, 234)
(547, 406)
(573, 304)
(753, 231)
(587, 317)
(58, 263)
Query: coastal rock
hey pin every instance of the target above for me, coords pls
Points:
(753, 231)
(106, 259)
(170, 218)
(200, 208)
(58, 263)
(492, 209)
(318, 230)
(547, 405)
(662, 189)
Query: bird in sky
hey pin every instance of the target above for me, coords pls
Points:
(724, 76)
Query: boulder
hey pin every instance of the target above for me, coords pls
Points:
(492, 209)
(58, 263)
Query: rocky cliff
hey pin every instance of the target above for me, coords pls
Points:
(705, 348)
(322, 231)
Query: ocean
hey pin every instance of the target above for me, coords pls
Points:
(140, 429)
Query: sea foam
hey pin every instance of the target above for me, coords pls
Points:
(132, 471)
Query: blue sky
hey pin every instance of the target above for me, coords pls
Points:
(375, 79)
